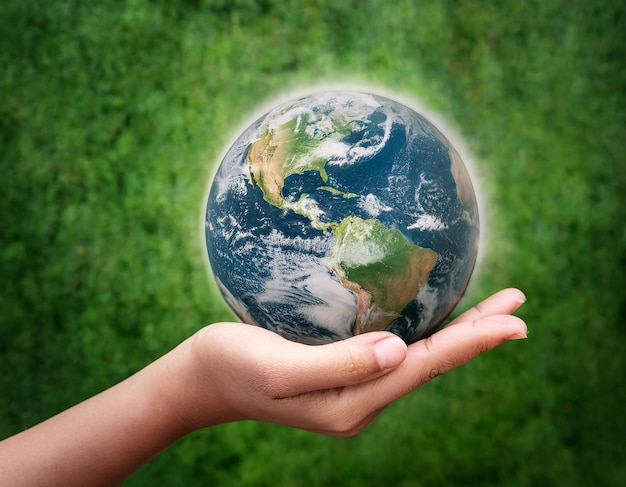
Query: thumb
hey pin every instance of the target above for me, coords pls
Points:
(339, 364)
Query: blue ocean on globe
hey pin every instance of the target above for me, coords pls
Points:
(341, 213)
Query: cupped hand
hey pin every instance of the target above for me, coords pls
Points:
(237, 371)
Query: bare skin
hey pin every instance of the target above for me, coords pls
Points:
(230, 372)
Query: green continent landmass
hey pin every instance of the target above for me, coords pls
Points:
(332, 190)
(287, 150)
(381, 267)
(377, 263)
(278, 154)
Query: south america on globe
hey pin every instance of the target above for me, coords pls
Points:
(340, 213)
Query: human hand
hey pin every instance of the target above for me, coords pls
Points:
(236, 371)
(228, 372)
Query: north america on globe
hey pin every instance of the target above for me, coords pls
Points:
(339, 213)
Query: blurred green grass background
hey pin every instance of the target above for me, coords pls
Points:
(112, 116)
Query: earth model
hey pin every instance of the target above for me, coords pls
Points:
(341, 213)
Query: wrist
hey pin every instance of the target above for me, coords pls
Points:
(190, 385)
(173, 378)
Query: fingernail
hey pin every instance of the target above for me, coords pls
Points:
(390, 352)
(520, 335)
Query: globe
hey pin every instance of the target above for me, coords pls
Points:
(341, 213)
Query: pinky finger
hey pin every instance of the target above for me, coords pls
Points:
(502, 302)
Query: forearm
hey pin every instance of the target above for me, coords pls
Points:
(102, 440)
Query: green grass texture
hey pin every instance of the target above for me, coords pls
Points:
(113, 116)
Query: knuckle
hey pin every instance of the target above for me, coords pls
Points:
(434, 373)
(429, 344)
(481, 348)
(274, 385)
(480, 309)
(440, 368)
(357, 367)
(348, 423)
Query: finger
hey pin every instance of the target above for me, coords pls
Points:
(353, 408)
(344, 363)
(502, 302)
(279, 368)
(351, 361)
(449, 348)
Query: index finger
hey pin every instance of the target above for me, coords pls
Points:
(426, 359)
